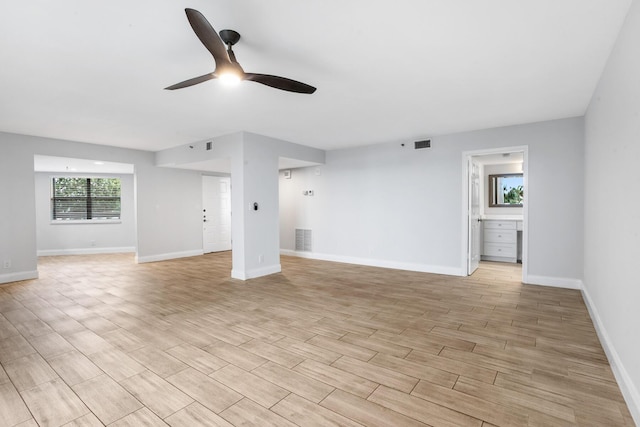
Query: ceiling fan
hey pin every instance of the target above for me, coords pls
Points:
(227, 67)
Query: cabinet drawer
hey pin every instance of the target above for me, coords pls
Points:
(507, 250)
(500, 236)
(500, 225)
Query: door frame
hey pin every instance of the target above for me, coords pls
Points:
(464, 247)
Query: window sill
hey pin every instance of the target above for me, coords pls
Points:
(85, 221)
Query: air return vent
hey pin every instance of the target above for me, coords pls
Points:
(423, 144)
(303, 240)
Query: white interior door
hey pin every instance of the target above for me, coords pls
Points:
(474, 216)
(216, 213)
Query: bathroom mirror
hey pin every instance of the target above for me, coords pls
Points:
(506, 190)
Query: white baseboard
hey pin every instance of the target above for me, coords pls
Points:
(556, 282)
(258, 272)
(86, 251)
(629, 389)
(423, 268)
(18, 276)
(167, 256)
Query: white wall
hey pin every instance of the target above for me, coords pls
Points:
(395, 206)
(612, 209)
(62, 238)
(168, 202)
(487, 170)
(169, 212)
(17, 210)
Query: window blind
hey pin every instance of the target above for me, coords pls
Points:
(85, 198)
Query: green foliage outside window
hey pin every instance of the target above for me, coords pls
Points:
(513, 195)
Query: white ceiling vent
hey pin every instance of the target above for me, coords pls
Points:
(303, 240)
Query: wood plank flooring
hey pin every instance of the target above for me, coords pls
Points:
(100, 340)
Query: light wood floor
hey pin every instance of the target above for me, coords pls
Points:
(99, 340)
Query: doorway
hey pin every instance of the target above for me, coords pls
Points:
(216, 213)
(480, 214)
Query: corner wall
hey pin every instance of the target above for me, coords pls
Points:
(612, 209)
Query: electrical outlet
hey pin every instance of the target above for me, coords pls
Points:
(260, 259)
(92, 242)
(6, 264)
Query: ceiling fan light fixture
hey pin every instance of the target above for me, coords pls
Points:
(230, 78)
(227, 67)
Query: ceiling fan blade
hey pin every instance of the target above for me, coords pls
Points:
(207, 35)
(191, 82)
(280, 83)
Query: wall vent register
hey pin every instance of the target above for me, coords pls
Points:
(422, 144)
(303, 240)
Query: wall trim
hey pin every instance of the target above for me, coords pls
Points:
(18, 276)
(556, 282)
(168, 256)
(629, 390)
(86, 251)
(408, 266)
(257, 272)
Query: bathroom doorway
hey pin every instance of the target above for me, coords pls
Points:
(495, 208)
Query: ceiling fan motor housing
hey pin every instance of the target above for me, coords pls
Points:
(229, 37)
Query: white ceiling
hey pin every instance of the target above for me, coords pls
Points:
(386, 71)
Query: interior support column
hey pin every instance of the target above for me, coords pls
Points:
(254, 206)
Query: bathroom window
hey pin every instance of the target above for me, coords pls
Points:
(506, 190)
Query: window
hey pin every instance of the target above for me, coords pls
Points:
(506, 190)
(85, 199)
